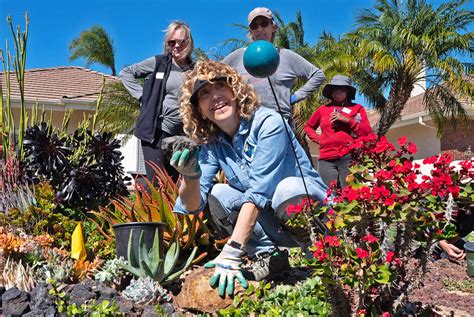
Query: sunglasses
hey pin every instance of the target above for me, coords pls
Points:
(173, 43)
(263, 23)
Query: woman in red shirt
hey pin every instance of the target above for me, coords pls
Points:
(341, 121)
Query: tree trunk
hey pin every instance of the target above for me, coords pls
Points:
(399, 95)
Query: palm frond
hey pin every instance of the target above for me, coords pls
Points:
(94, 46)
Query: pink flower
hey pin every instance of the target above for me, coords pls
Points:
(385, 314)
(370, 238)
(361, 253)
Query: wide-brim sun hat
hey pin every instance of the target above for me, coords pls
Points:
(339, 81)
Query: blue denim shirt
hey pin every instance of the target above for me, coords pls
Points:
(257, 158)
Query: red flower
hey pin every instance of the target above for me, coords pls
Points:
(361, 253)
(306, 202)
(412, 149)
(370, 238)
(389, 256)
(332, 241)
(361, 313)
(386, 314)
(293, 209)
(413, 186)
(430, 160)
(402, 141)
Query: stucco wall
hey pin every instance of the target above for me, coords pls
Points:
(423, 136)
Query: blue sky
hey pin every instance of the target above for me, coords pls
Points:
(136, 26)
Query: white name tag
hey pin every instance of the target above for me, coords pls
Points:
(346, 110)
(160, 75)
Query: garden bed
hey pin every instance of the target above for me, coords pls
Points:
(446, 288)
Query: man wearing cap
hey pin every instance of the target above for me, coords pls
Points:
(262, 26)
(341, 121)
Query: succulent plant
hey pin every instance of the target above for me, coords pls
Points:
(111, 271)
(151, 263)
(56, 267)
(16, 275)
(145, 290)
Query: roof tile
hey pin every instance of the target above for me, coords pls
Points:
(52, 85)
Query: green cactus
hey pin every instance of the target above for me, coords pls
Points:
(151, 263)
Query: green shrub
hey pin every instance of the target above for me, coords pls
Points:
(305, 299)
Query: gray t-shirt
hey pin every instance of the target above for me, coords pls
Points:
(292, 66)
(169, 120)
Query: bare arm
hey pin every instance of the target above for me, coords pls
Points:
(245, 223)
(190, 193)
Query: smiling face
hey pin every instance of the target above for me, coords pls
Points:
(217, 104)
(178, 43)
(262, 28)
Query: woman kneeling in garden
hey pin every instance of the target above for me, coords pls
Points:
(249, 143)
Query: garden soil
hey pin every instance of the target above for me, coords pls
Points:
(439, 291)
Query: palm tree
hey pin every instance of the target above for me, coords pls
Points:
(398, 43)
(95, 46)
(119, 110)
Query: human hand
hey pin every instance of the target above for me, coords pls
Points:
(227, 269)
(452, 251)
(337, 116)
(186, 163)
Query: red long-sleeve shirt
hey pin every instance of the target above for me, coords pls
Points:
(336, 136)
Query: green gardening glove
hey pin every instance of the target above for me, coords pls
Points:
(227, 270)
(187, 163)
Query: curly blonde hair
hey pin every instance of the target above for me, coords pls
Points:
(195, 126)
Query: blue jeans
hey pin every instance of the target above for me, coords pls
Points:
(268, 232)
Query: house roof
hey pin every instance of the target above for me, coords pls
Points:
(58, 85)
(413, 106)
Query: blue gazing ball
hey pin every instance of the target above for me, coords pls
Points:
(261, 59)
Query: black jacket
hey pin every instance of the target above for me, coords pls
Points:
(152, 99)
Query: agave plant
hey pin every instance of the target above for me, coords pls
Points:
(152, 203)
(151, 262)
(14, 274)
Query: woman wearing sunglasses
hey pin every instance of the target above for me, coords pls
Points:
(160, 93)
(262, 26)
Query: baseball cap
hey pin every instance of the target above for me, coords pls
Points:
(260, 11)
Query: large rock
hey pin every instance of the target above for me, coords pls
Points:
(196, 294)
(50, 312)
(81, 293)
(15, 302)
(40, 298)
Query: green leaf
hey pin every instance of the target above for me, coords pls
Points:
(384, 275)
